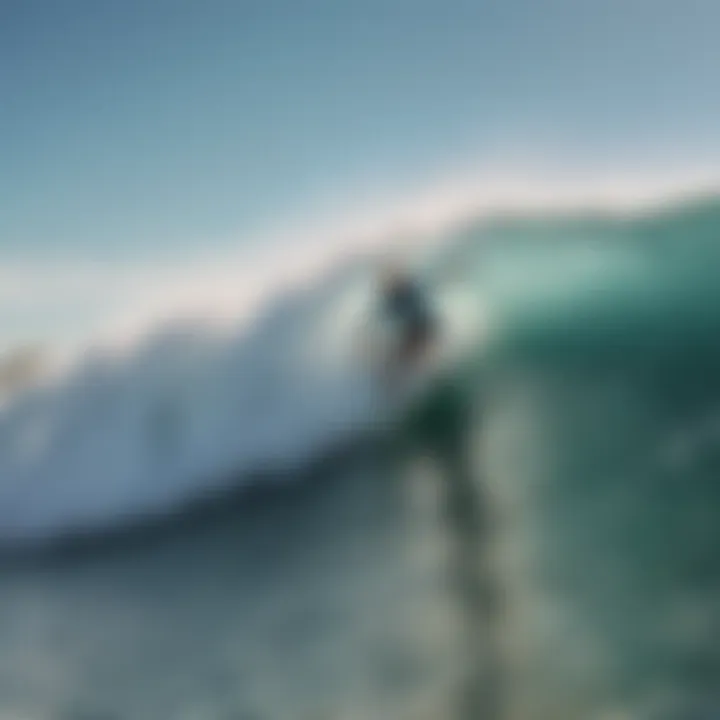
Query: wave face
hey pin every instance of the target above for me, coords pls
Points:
(190, 411)
(601, 452)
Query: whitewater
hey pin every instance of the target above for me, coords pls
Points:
(190, 408)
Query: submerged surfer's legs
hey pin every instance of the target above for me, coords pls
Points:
(442, 425)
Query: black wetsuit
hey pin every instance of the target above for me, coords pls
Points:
(406, 303)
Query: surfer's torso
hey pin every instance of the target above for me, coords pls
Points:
(406, 305)
(407, 308)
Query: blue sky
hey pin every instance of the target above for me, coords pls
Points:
(152, 129)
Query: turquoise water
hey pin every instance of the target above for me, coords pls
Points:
(601, 449)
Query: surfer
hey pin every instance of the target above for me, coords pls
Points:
(438, 423)
(406, 306)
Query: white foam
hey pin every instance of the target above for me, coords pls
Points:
(187, 408)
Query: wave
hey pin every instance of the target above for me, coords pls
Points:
(193, 409)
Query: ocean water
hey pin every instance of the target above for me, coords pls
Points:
(241, 524)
